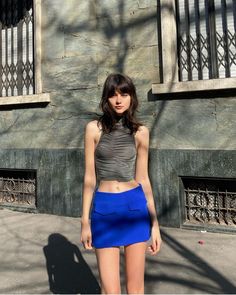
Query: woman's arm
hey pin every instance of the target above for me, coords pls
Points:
(89, 183)
(141, 176)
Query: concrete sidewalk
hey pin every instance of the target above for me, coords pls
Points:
(35, 245)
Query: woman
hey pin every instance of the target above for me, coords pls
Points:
(123, 211)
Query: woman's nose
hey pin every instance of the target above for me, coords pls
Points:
(118, 98)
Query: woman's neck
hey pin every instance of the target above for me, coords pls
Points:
(119, 119)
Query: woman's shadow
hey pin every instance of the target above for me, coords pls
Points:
(68, 272)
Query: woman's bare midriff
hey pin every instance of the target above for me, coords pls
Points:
(115, 186)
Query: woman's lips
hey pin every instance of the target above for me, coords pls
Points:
(119, 107)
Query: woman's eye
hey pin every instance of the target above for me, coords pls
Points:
(122, 95)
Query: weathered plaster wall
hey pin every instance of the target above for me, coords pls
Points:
(82, 42)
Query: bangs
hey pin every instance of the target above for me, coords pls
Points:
(119, 84)
(124, 88)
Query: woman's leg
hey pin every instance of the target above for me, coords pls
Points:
(108, 260)
(135, 266)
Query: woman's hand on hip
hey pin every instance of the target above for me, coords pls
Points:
(155, 246)
(86, 235)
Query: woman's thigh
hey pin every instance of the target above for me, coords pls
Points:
(108, 260)
(135, 267)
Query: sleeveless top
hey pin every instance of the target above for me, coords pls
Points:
(115, 155)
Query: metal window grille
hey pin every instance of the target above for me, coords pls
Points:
(18, 189)
(16, 47)
(206, 39)
(210, 201)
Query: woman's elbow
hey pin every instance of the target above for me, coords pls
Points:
(89, 181)
(142, 177)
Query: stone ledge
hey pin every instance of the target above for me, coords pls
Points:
(25, 99)
(190, 86)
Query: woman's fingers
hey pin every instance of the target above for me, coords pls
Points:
(155, 247)
(87, 243)
(86, 236)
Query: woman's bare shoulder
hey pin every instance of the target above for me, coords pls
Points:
(142, 131)
(92, 124)
(142, 135)
(93, 127)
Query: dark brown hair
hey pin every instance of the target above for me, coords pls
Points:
(122, 84)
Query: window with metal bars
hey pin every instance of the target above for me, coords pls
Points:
(18, 188)
(16, 48)
(206, 39)
(209, 201)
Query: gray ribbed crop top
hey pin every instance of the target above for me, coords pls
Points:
(115, 155)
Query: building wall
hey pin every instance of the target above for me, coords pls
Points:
(82, 42)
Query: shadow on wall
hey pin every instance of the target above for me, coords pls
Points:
(68, 272)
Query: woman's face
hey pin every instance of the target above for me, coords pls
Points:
(120, 102)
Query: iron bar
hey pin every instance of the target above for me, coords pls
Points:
(12, 48)
(218, 202)
(234, 15)
(178, 30)
(19, 55)
(211, 31)
(225, 37)
(188, 39)
(188, 201)
(198, 35)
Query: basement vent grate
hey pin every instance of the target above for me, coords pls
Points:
(18, 188)
(210, 201)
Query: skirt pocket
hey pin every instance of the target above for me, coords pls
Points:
(103, 209)
(137, 205)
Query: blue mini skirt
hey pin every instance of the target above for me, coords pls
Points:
(119, 219)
